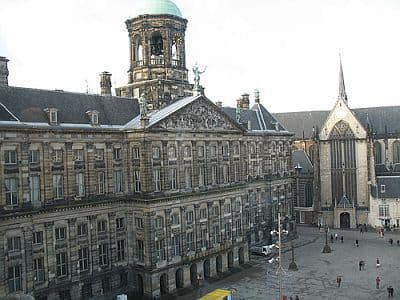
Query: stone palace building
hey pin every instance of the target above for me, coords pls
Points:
(142, 193)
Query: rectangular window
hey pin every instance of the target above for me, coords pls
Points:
(156, 153)
(201, 176)
(34, 188)
(101, 183)
(187, 152)
(227, 208)
(136, 153)
(10, 157)
(384, 211)
(83, 259)
(120, 223)
(175, 246)
(139, 222)
(160, 249)
(238, 224)
(38, 237)
(58, 188)
(200, 151)
(383, 188)
(121, 250)
(118, 182)
(34, 156)
(80, 184)
(214, 174)
(225, 150)
(159, 222)
(225, 173)
(157, 180)
(38, 269)
(203, 213)
(137, 181)
(99, 155)
(216, 234)
(15, 279)
(175, 219)
(228, 231)
(236, 171)
(14, 243)
(61, 233)
(79, 155)
(213, 151)
(190, 241)
(53, 116)
(103, 254)
(11, 185)
(106, 285)
(117, 154)
(58, 156)
(140, 246)
(61, 263)
(188, 178)
(189, 217)
(203, 237)
(216, 211)
(101, 226)
(82, 229)
(173, 176)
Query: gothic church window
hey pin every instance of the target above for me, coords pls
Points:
(396, 152)
(378, 153)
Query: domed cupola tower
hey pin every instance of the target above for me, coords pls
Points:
(157, 54)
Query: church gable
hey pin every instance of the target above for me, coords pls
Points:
(201, 115)
(342, 118)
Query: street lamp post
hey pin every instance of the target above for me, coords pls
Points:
(326, 249)
(293, 265)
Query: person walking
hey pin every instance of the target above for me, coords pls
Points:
(339, 280)
(391, 291)
(388, 290)
(361, 230)
(398, 243)
(391, 242)
(377, 281)
(357, 243)
(331, 238)
(336, 236)
(378, 263)
(341, 238)
(297, 298)
(360, 265)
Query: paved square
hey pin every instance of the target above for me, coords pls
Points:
(316, 278)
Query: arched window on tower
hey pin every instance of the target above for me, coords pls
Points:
(138, 51)
(378, 153)
(174, 54)
(396, 152)
(157, 49)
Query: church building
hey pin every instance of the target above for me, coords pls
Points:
(355, 154)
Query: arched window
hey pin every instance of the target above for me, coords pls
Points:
(174, 51)
(378, 153)
(396, 152)
(157, 45)
(138, 50)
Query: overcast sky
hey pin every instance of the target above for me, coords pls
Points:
(288, 49)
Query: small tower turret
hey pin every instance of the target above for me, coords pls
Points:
(105, 83)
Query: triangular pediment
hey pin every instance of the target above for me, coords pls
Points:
(198, 115)
(339, 116)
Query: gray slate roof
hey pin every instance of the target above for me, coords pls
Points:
(380, 120)
(300, 157)
(259, 117)
(392, 187)
(28, 104)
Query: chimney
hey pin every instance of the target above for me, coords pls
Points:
(243, 102)
(257, 96)
(3, 71)
(105, 83)
(218, 103)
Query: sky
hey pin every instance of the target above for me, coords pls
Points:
(288, 49)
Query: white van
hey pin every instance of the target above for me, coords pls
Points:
(262, 250)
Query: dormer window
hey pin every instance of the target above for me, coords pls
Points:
(52, 114)
(94, 117)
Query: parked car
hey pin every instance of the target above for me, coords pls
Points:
(263, 250)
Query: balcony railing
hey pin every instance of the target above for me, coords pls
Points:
(157, 61)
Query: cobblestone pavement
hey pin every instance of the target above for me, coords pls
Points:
(316, 277)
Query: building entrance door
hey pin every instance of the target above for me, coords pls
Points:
(345, 220)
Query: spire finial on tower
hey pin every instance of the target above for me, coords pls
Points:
(342, 88)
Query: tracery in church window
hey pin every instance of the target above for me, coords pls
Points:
(378, 153)
(396, 152)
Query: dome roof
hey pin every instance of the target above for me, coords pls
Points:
(159, 7)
